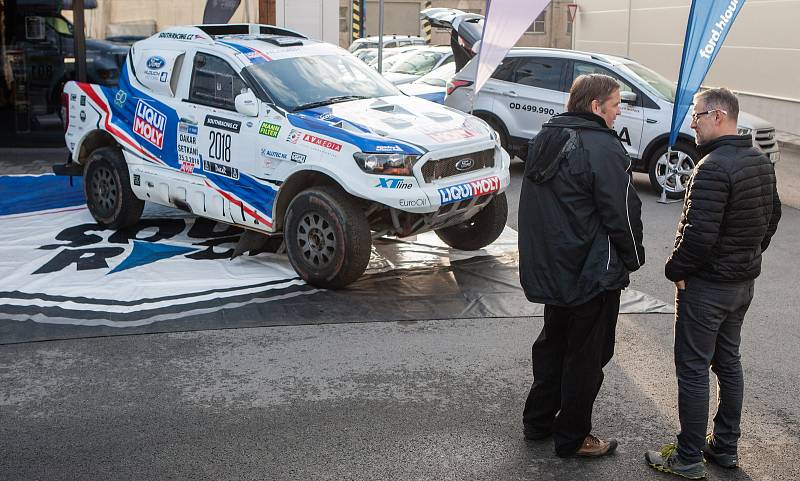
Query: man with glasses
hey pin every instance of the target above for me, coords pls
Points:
(730, 213)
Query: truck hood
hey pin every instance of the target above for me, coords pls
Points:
(394, 124)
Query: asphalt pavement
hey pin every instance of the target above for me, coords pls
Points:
(432, 400)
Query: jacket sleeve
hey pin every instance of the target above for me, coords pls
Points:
(774, 218)
(619, 206)
(703, 211)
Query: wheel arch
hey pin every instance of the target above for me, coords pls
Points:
(658, 142)
(90, 142)
(296, 183)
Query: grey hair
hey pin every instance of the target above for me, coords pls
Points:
(720, 98)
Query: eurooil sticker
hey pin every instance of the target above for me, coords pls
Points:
(269, 129)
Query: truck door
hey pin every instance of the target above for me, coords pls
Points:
(225, 138)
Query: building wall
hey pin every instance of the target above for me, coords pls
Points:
(760, 58)
(145, 17)
(402, 17)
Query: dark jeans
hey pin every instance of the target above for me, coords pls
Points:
(568, 359)
(708, 325)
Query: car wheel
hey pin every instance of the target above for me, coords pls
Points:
(109, 196)
(672, 176)
(481, 229)
(327, 237)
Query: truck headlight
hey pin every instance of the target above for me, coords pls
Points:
(385, 164)
(744, 131)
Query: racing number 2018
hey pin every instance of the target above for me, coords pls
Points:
(531, 108)
(220, 147)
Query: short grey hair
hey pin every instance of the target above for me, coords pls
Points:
(720, 98)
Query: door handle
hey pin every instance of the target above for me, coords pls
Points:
(512, 94)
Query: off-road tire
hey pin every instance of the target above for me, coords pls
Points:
(107, 185)
(481, 229)
(327, 236)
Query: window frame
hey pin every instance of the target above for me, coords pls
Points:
(532, 29)
(561, 87)
(210, 103)
(642, 99)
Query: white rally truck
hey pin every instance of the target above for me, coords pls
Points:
(260, 127)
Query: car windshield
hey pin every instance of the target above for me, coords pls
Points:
(658, 82)
(299, 83)
(417, 62)
(359, 45)
(438, 77)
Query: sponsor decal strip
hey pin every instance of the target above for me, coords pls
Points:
(468, 190)
(111, 128)
(248, 52)
(241, 205)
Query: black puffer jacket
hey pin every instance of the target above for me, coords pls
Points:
(730, 213)
(580, 228)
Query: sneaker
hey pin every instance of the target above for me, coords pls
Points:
(726, 460)
(667, 461)
(593, 447)
(535, 434)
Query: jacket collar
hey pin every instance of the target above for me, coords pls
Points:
(734, 140)
(578, 120)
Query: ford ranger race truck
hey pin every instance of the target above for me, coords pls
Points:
(262, 128)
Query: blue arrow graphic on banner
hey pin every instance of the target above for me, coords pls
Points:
(149, 252)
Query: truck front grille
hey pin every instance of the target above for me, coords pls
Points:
(441, 168)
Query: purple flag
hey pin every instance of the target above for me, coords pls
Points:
(506, 21)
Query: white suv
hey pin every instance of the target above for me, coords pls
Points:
(532, 84)
(281, 135)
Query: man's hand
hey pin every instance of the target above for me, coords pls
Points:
(681, 285)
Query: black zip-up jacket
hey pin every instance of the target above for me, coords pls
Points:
(580, 228)
(730, 213)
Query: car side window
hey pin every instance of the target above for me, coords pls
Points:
(543, 73)
(390, 45)
(214, 82)
(505, 71)
(404, 43)
(585, 68)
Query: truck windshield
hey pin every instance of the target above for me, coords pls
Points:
(298, 83)
(658, 82)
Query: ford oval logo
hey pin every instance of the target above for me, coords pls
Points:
(155, 63)
(464, 164)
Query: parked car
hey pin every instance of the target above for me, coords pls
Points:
(390, 55)
(389, 41)
(431, 86)
(283, 136)
(532, 84)
(412, 65)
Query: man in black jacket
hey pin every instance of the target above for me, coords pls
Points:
(580, 234)
(730, 213)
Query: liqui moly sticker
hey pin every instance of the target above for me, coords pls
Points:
(149, 124)
(468, 190)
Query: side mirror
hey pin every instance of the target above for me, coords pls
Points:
(628, 97)
(247, 104)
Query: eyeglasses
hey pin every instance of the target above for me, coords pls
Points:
(696, 116)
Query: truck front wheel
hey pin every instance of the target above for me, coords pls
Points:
(109, 196)
(327, 237)
(481, 229)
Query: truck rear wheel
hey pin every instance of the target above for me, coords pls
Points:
(107, 185)
(481, 229)
(327, 237)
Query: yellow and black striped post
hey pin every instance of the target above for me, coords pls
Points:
(426, 25)
(357, 21)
